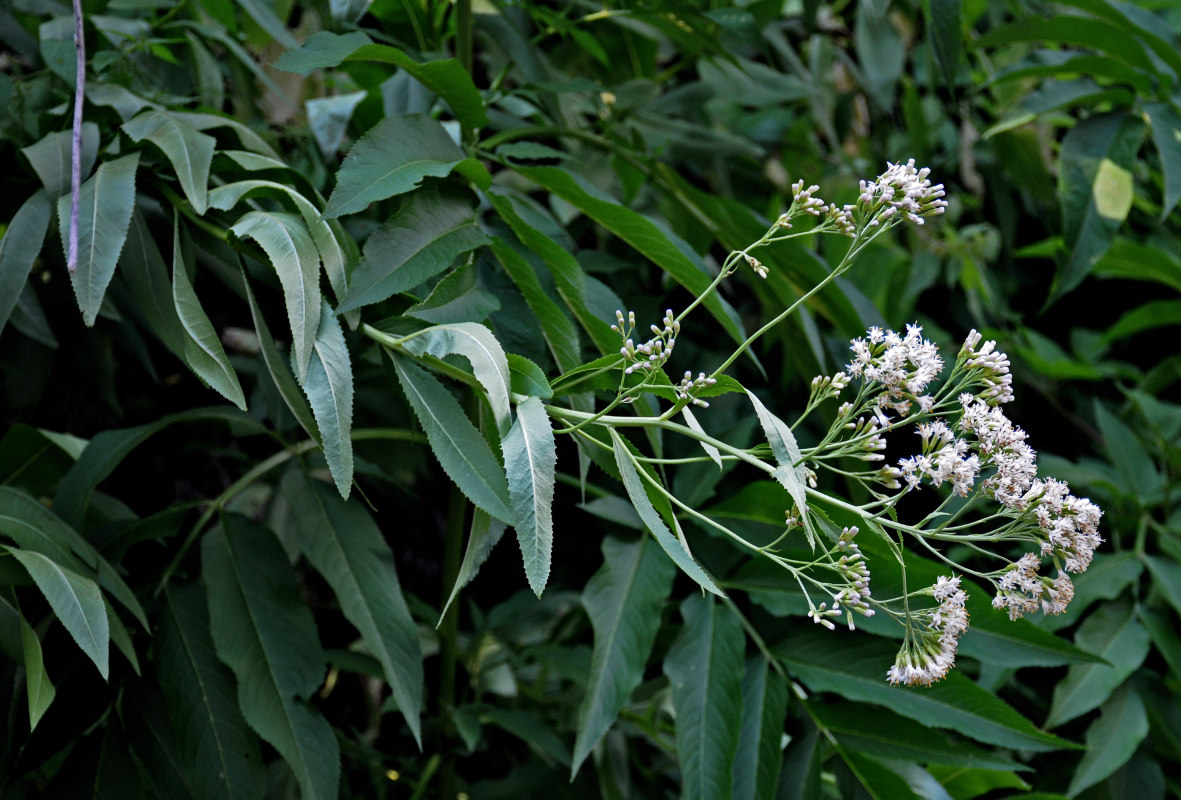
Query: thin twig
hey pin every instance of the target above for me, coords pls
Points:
(76, 155)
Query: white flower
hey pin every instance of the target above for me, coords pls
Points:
(902, 189)
(927, 655)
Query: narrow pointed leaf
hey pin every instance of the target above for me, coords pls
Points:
(651, 518)
(268, 638)
(457, 297)
(392, 158)
(709, 449)
(289, 246)
(624, 601)
(142, 267)
(280, 370)
(52, 158)
(219, 754)
(343, 543)
(560, 333)
(329, 387)
(530, 456)
(787, 456)
(19, 248)
(188, 150)
(420, 241)
(77, 602)
(38, 688)
(1112, 738)
(462, 452)
(202, 347)
(764, 708)
(704, 668)
(484, 534)
(1166, 136)
(104, 212)
(477, 344)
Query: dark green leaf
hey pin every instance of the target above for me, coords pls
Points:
(759, 754)
(420, 241)
(19, 248)
(268, 638)
(704, 665)
(1077, 30)
(1166, 136)
(484, 535)
(38, 687)
(530, 729)
(964, 782)
(527, 378)
(1137, 472)
(944, 29)
(75, 599)
(202, 347)
(1111, 739)
(624, 600)
(651, 518)
(343, 543)
(878, 781)
(329, 388)
(104, 212)
(189, 150)
(1096, 188)
(455, 442)
(1167, 576)
(392, 158)
(328, 117)
(559, 331)
(1140, 262)
(146, 274)
(280, 371)
(456, 298)
(219, 755)
(52, 158)
(1149, 316)
(263, 13)
(530, 456)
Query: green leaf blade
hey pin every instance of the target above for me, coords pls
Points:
(530, 458)
(188, 150)
(1112, 739)
(758, 756)
(38, 688)
(329, 388)
(19, 248)
(480, 347)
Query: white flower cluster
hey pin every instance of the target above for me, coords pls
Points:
(927, 655)
(688, 385)
(852, 567)
(1002, 446)
(828, 386)
(650, 355)
(943, 458)
(758, 266)
(903, 365)
(902, 189)
(993, 366)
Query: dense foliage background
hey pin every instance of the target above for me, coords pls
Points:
(533, 167)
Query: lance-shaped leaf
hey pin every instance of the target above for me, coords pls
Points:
(38, 687)
(52, 158)
(484, 534)
(219, 754)
(651, 518)
(709, 449)
(787, 455)
(393, 157)
(189, 151)
(19, 248)
(343, 543)
(104, 212)
(329, 387)
(704, 668)
(417, 243)
(462, 452)
(456, 298)
(623, 600)
(758, 756)
(268, 638)
(202, 347)
(559, 331)
(1095, 186)
(289, 246)
(332, 254)
(445, 77)
(1111, 739)
(280, 370)
(530, 456)
(477, 344)
(143, 268)
(1166, 136)
(75, 599)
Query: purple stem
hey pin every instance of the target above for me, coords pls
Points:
(76, 155)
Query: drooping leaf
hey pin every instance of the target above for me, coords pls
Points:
(477, 344)
(143, 268)
(445, 77)
(419, 242)
(456, 298)
(532, 730)
(202, 347)
(530, 457)
(263, 13)
(189, 151)
(38, 688)
(289, 246)
(704, 667)
(855, 668)
(52, 158)
(104, 212)
(19, 248)
(758, 756)
(329, 387)
(246, 135)
(651, 518)
(790, 472)
(484, 534)
(623, 600)
(268, 638)
(1166, 136)
(219, 754)
(75, 599)
(559, 331)
(392, 158)
(877, 780)
(280, 371)
(461, 450)
(328, 117)
(1095, 186)
(1112, 738)
(1078, 30)
(1114, 633)
(343, 543)
(709, 449)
